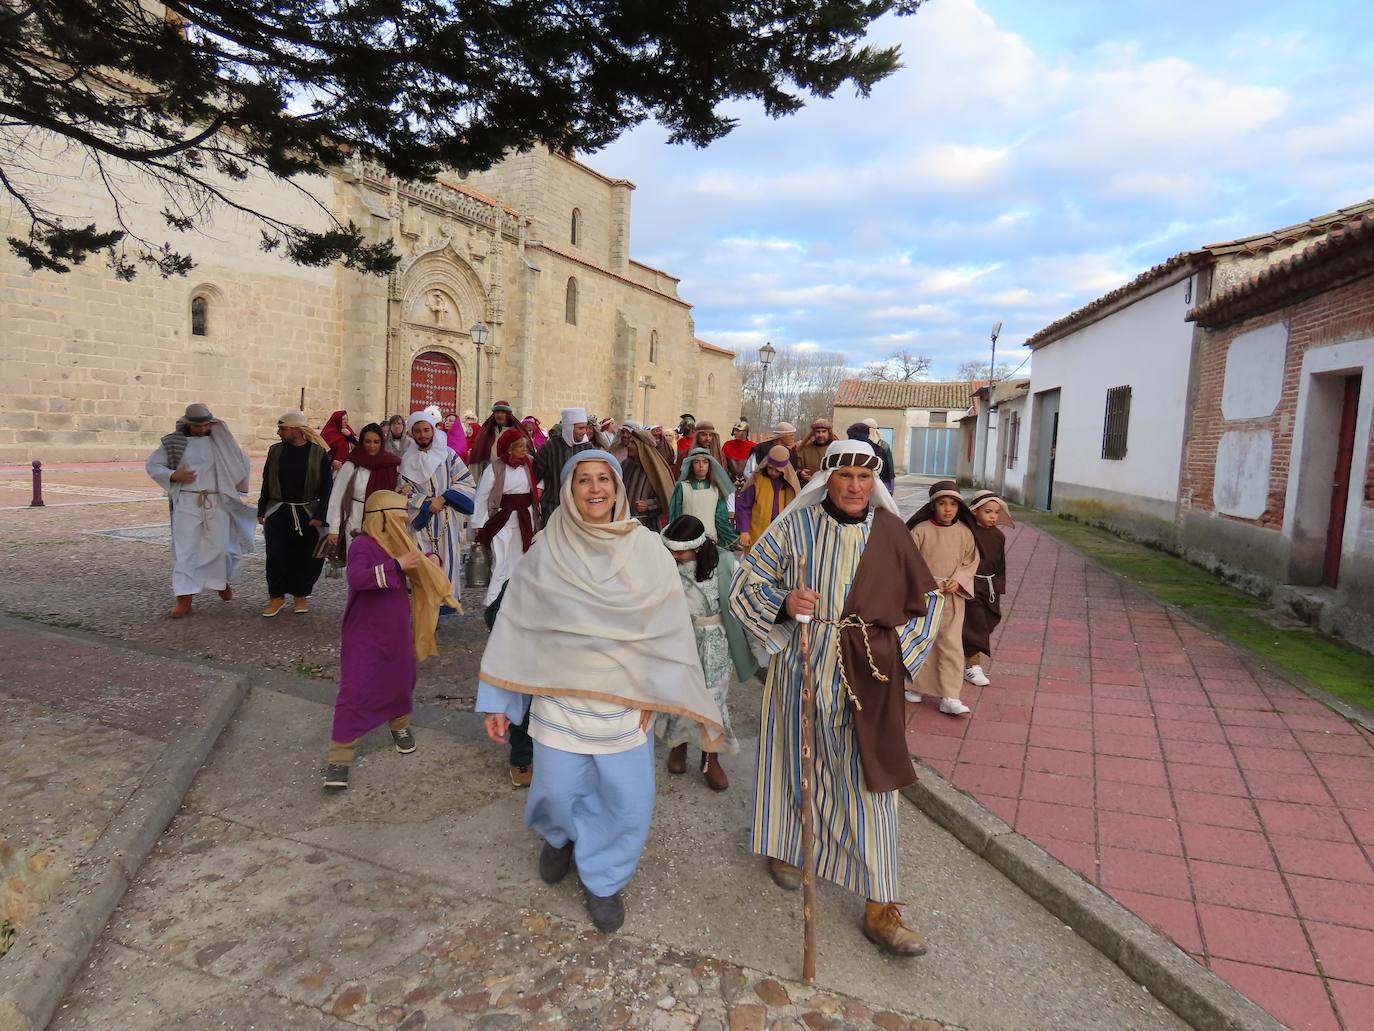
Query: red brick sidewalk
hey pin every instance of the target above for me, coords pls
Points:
(1216, 801)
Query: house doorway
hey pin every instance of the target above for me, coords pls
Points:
(1046, 444)
(1340, 485)
(433, 381)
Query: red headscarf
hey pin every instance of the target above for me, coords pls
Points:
(503, 445)
(339, 436)
(480, 444)
(382, 468)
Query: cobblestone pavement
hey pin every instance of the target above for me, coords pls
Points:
(1205, 793)
(412, 901)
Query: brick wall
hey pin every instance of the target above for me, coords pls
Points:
(1344, 313)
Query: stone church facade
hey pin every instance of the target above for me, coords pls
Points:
(537, 248)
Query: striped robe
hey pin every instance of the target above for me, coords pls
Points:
(856, 829)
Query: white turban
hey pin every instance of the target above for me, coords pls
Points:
(842, 453)
(419, 464)
(571, 417)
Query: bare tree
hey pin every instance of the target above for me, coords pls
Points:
(979, 371)
(800, 386)
(900, 367)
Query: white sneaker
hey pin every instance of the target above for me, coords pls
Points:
(975, 676)
(954, 707)
(912, 697)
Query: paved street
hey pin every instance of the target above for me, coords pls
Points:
(1214, 799)
(1219, 803)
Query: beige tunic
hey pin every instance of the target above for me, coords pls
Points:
(952, 554)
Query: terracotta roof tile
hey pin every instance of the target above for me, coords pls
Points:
(1343, 253)
(706, 345)
(871, 393)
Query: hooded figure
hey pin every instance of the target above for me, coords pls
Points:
(205, 474)
(386, 631)
(706, 438)
(648, 478)
(366, 472)
(573, 436)
(440, 492)
(339, 437)
(506, 512)
(984, 610)
(943, 530)
(703, 489)
(481, 446)
(863, 431)
(593, 638)
(772, 488)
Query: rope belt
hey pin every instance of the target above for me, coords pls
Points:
(295, 515)
(205, 498)
(707, 620)
(992, 590)
(849, 622)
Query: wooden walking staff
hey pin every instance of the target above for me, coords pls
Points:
(808, 773)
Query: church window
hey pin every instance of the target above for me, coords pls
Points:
(570, 302)
(575, 230)
(653, 347)
(710, 384)
(200, 316)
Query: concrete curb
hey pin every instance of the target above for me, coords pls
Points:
(38, 970)
(1172, 976)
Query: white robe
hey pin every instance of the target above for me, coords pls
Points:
(336, 500)
(507, 549)
(443, 534)
(211, 526)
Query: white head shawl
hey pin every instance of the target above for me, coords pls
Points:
(840, 453)
(419, 464)
(597, 611)
(571, 417)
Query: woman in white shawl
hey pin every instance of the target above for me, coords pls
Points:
(593, 638)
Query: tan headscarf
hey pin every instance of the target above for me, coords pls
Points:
(384, 520)
(297, 419)
(598, 611)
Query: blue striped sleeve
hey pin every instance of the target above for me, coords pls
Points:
(918, 636)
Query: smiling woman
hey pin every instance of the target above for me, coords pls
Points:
(593, 638)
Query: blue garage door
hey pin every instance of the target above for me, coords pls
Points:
(932, 452)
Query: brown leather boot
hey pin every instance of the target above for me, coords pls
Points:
(785, 875)
(183, 606)
(715, 773)
(884, 927)
(677, 760)
(227, 594)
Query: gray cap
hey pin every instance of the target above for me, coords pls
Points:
(198, 413)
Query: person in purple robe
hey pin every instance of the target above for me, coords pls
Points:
(394, 595)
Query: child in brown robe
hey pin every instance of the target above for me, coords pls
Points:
(984, 609)
(943, 531)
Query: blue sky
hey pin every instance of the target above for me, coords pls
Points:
(1027, 158)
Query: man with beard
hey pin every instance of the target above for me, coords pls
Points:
(204, 472)
(296, 481)
(648, 479)
(572, 436)
(686, 433)
(812, 448)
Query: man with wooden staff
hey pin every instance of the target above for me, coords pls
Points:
(874, 611)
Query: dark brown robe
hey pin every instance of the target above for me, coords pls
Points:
(984, 610)
(889, 590)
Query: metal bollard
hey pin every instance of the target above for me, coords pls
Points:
(37, 501)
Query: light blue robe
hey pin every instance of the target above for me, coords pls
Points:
(602, 802)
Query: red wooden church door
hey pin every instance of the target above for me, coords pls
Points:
(433, 381)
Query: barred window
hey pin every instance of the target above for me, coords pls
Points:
(1116, 422)
(1013, 438)
(570, 303)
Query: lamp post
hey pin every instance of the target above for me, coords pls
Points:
(646, 384)
(992, 365)
(478, 332)
(766, 355)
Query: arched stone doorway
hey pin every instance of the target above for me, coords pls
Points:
(433, 381)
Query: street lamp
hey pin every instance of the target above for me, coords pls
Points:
(992, 366)
(646, 384)
(478, 332)
(766, 355)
